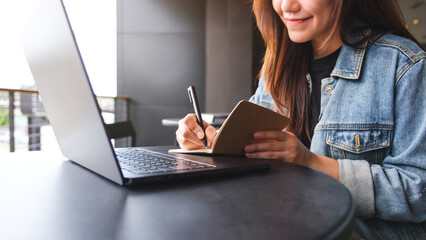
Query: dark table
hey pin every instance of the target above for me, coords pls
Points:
(43, 196)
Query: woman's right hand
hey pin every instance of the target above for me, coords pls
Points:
(189, 133)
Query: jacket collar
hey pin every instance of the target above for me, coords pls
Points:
(349, 62)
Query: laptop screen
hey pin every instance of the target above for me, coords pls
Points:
(62, 81)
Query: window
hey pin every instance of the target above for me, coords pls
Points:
(94, 24)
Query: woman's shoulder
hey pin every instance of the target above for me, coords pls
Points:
(262, 97)
(400, 45)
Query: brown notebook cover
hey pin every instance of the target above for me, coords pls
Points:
(238, 129)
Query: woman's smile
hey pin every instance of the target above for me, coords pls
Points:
(310, 20)
(295, 21)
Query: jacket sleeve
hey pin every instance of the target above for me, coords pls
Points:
(395, 190)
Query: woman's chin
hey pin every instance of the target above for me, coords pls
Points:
(297, 38)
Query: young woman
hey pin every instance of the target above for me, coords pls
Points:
(352, 78)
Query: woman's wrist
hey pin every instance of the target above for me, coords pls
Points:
(323, 164)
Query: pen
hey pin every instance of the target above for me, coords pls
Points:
(193, 98)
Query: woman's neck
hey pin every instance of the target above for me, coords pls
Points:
(325, 47)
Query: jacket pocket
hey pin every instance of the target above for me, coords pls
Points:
(359, 142)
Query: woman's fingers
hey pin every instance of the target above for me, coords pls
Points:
(210, 134)
(276, 145)
(264, 146)
(190, 133)
(273, 141)
(273, 135)
(187, 138)
(190, 121)
(187, 134)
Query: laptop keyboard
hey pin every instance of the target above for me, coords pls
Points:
(142, 161)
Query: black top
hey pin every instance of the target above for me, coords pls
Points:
(319, 69)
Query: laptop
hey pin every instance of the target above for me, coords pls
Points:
(63, 84)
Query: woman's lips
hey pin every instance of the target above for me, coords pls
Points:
(296, 21)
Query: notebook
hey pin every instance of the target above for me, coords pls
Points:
(238, 129)
(64, 87)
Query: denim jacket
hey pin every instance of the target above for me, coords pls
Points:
(373, 122)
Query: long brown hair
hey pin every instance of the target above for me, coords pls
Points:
(285, 63)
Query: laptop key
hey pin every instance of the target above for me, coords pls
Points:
(149, 168)
(140, 171)
(132, 168)
(156, 171)
(168, 169)
(157, 164)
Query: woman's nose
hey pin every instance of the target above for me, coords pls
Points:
(290, 5)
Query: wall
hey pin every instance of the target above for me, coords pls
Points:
(231, 54)
(161, 51)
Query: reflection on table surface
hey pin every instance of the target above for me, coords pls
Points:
(56, 199)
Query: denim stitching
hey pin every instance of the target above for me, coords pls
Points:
(402, 74)
(402, 70)
(398, 46)
(331, 149)
(354, 127)
(413, 58)
(358, 62)
(375, 146)
(360, 58)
